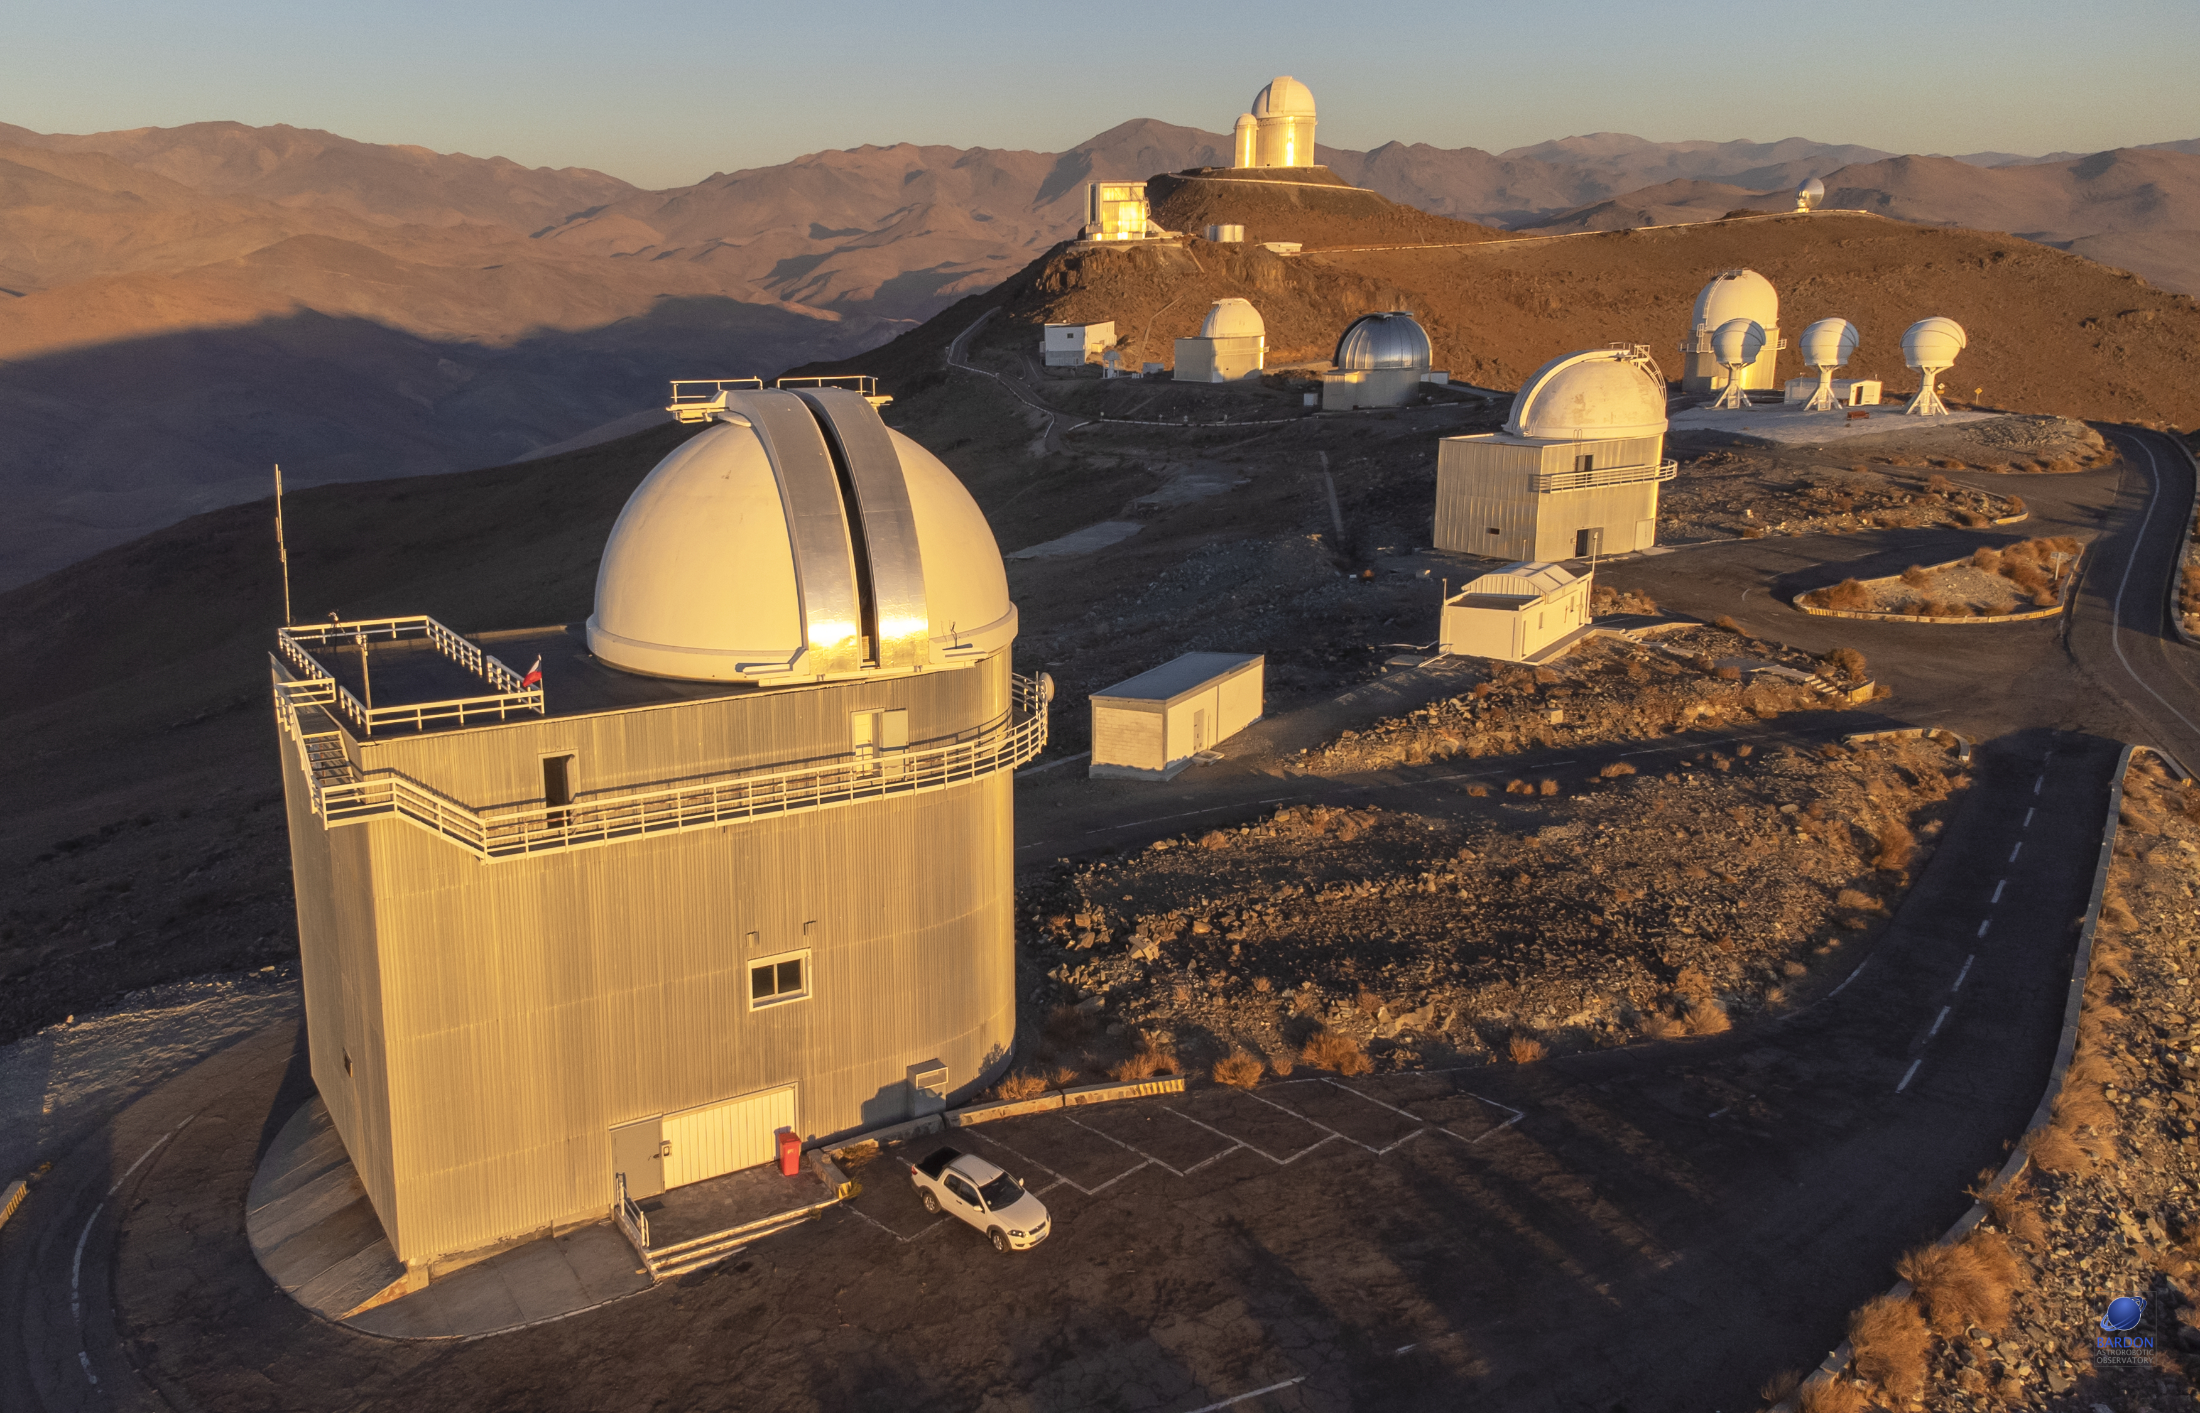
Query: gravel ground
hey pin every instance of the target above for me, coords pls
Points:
(1748, 492)
(1558, 913)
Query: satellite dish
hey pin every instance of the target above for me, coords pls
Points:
(1931, 346)
(1735, 345)
(1809, 195)
(1827, 345)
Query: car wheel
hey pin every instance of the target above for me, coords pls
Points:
(931, 1202)
(999, 1239)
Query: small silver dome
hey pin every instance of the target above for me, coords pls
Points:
(1389, 340)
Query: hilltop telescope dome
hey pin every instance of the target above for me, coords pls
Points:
(1282, 132)
(1733, 294)
(1232, 318)
(1574, 474)
(1931, 346)
(1394, 339)
(1231, 347)
(1606, 393)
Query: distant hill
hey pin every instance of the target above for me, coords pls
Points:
(180, 307)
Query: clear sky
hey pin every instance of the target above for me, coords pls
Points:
(663, 95)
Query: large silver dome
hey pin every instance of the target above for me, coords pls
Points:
(1389, 340)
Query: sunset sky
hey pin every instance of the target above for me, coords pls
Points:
(665, 94)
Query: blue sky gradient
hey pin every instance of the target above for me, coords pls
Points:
(663, 95)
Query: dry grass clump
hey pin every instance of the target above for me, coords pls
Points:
(856, 1156)
(2017, 1212)
(1240, 1069)
(1832, 1396)
(1147, 1061)
(1890, 1342)
(2055, 1151)
(1848, 594)
(1329, 1050)
(1917, 577)
(1523, 1050)
(1615, 770)
(1021, 1085)
(1702, 1013)
(1894, 846)
(1968, 1283)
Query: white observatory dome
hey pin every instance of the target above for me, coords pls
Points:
(1829, 343)
(1390, 340)
(1738, 294)
(1233, 319)
(1284, 97)
(1737, 341)
(1607, 392)
(734, 560)
(1933, 343)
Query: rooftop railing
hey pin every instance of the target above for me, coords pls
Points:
(510, 695)
(1607, 476)
(341, 794)
(700, 399)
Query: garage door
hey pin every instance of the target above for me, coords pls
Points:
(726, 1136)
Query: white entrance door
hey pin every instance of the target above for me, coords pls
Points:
(724, 1137)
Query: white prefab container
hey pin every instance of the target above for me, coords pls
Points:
(1515, 612)
(1849, 392)
(1151, 726)
(1072, 345)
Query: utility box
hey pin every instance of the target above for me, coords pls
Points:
(1515, 612)
(1150, 727)
(1073, 345)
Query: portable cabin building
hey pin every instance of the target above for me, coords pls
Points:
(1574, 474)
(1515, 612)
(1150, 727)
(1074, 345)
(740, 858)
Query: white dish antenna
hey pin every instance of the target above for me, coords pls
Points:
(1931, 346)
(1809, 195)
(1735, 345)
(1827, 345)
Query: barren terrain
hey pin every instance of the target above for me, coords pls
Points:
(2018, 578)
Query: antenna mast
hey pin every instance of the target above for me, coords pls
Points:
(282, 553)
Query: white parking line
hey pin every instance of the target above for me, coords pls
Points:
(2039, 782)
(1963, 973)
(1938, 1021)
(2013, 850)
(1983, 926)
(1229, 1402)
(1909, 1074)
(1998, 886)
(76, 1266)
(2028, 813)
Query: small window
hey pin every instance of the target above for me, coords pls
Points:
(1495, 531)
(1585, 464)
(773, 980)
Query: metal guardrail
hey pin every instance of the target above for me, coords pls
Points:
(614, 817)
(632, 1219)
(709, 389)
(510, 695)
(1607, 476)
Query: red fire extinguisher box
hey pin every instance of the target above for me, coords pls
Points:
(790, 1152)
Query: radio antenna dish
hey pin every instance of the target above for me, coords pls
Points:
(1735, 344)
(1827, 345)
(1931, 346)
(1809, 195)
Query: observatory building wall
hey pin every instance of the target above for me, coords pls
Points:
(1490, 498)
(529, 1006)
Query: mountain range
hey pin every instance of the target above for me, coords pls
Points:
(180, 307)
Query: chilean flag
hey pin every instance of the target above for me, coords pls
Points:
(534, 674)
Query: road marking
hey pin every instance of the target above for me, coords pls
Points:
(1982, 927)
(1909, 1074)
(2131, 562)
(2013, 850)
(1998, 886)
(1228, 1402)
(76, 1266)
(1938, 1022)
(2038, 783)
(2028, 813)
(1963, 973)
(1852, 976)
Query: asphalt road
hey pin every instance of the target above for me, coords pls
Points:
(1664, 1226)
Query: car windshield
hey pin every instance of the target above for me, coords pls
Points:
(1001, 1192)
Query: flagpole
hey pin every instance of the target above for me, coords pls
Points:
(282, 552)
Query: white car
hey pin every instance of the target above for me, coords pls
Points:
(967, 1186)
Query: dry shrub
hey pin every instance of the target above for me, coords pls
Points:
(1020, 1086)
(2082, 1106)
(2117, 914)
(1848, 594)
(1845, 662)
(1659, 1026)
(1727, 622)
(1935, 484)
(1548, 787)
(2055, 1151)
(856, 1156)
(1282, 1065)
(1708, 1018)
(1067, 1026)
(1895, 844)
(1328, 1050)
(1524, 1050)
(1855, 898)
(1518, 787)
(1240, 1069)
(1730, 674)
(1781, 1386)
(1890, 1343)
(1150, 1060)
(1969, 1283)
(1478, 792)
(1616, 769)
(1916, 577)
(1832, 1396)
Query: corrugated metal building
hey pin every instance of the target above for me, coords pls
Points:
(1074, 345)
(1151, 726)
(621, 919)
(1515, 612)
(1574, 474)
